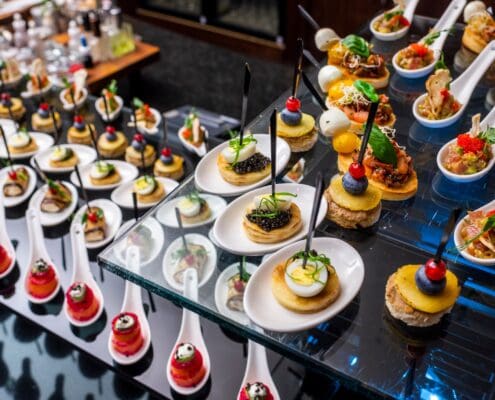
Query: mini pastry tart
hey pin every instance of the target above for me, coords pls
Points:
(41, 281)
(355, 59)
(22, 142)
(388, 167)
(272, 219)
(479, 31)
(63, 157)
(193, 208)
(11, 72)
(255, 391)
(82, 304)
(112, 144)
(148, 118)
(42, 120)
(104, 173)
(305, 289)
(57, 198)
(391, 21)
(477, 234)
(127, 337)
(439, 103)
(415, 56)
(236, 285)
(5, 259)
(93, 221)
(169, 165)
(16, 183)
(195, 256)
(242, 164)
(79, 132)
(148, 189)
(138, 150)
(17, 109)
(187, 368)
(192, 131)
(114, 103)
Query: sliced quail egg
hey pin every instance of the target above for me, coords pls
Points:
(19, 140)
(100, 170)
(188, 207)
(308, 281)
(59, 153)
(144, 185)
(281, 201)
(247, 150)
(328, 75)
(334, 121)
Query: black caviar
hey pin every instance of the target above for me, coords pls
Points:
(269, 222)
(255, 163)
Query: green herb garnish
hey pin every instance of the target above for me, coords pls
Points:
(243, 274)
(195, 197)
(489, 225)
(138, 103)
(389, 15)
(440, 64)
(55, 186)
(367, 90)
(188, 121)
(430, 39)
(357, 45)
(272, 205)
(112, 88)
(235, 145)
(488, 135)
(312, 257)
(381, 146)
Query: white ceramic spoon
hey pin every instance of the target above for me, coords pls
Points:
(201, 150)
(409, 10)
(81, 272)
(36, 251)
(443, 26)
(141, 128)
(487, 122)
(459, 242)
(132, 303)
(462, 88)
(5, 239)
(190, 332)
(257, 369)
(69, 106)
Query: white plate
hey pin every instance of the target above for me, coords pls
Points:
(221, 290)
(123, 194)
(230, 234)
(168, 265)
(43, 140)
(85, 154)
(48, 219)
(459, 241)
(264, 310)
(128, 173)
(208, 179)
(157, 238)
(166, 213)
(15, 201)
(113, 218)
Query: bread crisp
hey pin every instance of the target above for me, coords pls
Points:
(234, 178)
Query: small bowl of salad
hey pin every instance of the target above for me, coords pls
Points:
(470, 156)
(391, 25)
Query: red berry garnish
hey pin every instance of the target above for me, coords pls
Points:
(138, 137)
(78, 119)
(293, 104)
(12, 175)
(110, 129)
(5, 96)
(357, 170)
(44, 106)
(435, 271)
(92, 217)
(167, 152)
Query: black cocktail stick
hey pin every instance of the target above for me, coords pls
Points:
(245, 94)
(181, 229)
(297, 66)
(314, 92)
(449, 227)
(314, 215)
(273, 148)
(367, 131)
(309, 19)
(311, 58)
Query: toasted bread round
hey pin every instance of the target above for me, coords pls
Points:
(113, 149)
(32, 146)
(173, 171)
(154, 196)
(107, 180)
(134, 157)
(204, 213)
(304, 305)
(69, 162)
(234, 178)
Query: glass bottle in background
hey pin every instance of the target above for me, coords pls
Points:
(74, 34)
(85, 53)
(19, 27)
(96, 42)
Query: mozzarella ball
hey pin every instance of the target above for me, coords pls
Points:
(333, 121)
(328, 75)
(324, 38)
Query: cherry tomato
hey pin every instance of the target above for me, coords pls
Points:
(293, 104)
(357, 170)
(435, 271)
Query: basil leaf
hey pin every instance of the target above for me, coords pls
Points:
(488, 135)
(367, 90)
(382, 147)
(489, 224)
(357, 45)
(440, 64)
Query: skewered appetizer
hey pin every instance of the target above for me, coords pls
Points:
(356, 103)
(38, 79)
(75, 91)
(104, 173)
(63, 157)
(192, 132)
(79, 132)
(95, 225)
(42, 120)
(21, 142)
(5, 259)
(388, 167)
(169, 165)
(193, 208)
(133, 152)
(305, 288)
(16, 183)
(127, 337)
(392, 20)
(478, 234)
(148, 189)
(142, 238)
(255, 391)
(187, 367)
(272, 218)
(295, 127)
(147, 117)
(194, 256)
(41, 280)
(10, 71)
(17, 109)
(296, 173)
(355, 59)
(57, 198)
(480, 28)
(472, 151)
(112, 143)
(82, 304)
(114, 102)
(236, 285)
(417, 55)
(439, 103)
(241, 164)
(420, 295)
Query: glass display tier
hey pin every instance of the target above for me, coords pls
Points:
(362, 346)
